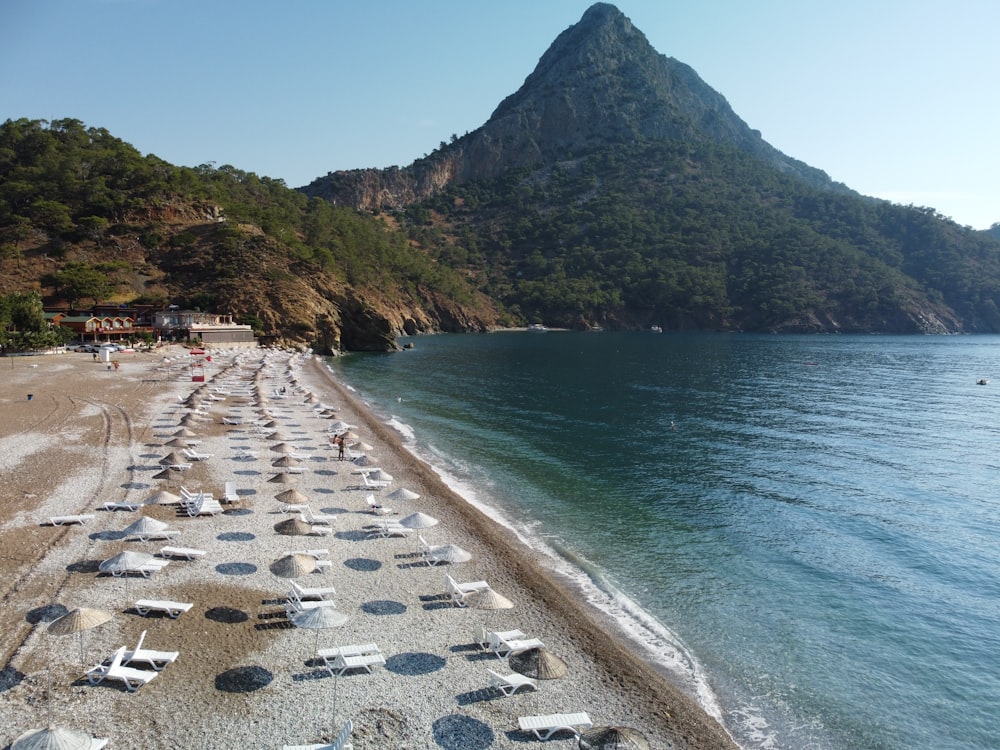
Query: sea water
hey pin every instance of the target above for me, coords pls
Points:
(804, 529)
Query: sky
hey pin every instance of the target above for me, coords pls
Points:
(896, 99)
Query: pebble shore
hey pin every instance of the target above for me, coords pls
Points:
(246, 676)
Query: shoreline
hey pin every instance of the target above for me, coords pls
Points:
(632, 670)
(432, 687)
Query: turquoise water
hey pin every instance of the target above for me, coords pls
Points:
(810, 522)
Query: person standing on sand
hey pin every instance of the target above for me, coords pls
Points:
(340, 446)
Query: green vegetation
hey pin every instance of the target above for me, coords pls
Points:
(23, 326)
(706, 237)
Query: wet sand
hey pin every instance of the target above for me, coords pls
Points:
(246, 676)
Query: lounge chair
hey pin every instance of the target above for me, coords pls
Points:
(376, 508)
(343, 662)
(510, 684)
(458, 591)
(158, 660)
(204, 507)
(188, 553)
(80, 518)
(145, 570)
(244, 454)
(307, 516)
(133, 679)
(189, 496)
(194, 455)
(302, 593)
(373, 484)
(172, 609)
(544, 727)
(426, 549)
(120, 506)
(149, 536)
(229, 493)
(319, 554)
(511, 642)
(485, 637)
(389, 528)
(330, 655)
(343, 741)
(292, 507)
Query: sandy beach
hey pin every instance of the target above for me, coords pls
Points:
(246, 676)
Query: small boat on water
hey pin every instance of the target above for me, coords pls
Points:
(982, 381)
(656, 329)
(537, 328)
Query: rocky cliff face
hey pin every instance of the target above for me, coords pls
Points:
(599, 83)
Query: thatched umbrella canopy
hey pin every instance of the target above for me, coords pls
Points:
(402, 493)
(284, 478)
(282, 448)
(293, 527)
(286, 460)
(162, 498)
(53, 738)
(293, 566)
(177, 443)
(144, 525)
(185, 432)
(173, 458)
(292, 496)
(449, 553)
(77, 621)
(418, 520)
(538, 663)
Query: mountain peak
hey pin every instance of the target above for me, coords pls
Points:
(599, 83)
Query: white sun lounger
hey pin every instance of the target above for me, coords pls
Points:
(120, 506)
(510, 684)
(544, 727)
(133, 679)
(458, 591)
(194, 455)
(158, 660)
(302, 593)
(344, 662)
(149, 536)
(229, 493)
(170, 608)
(506, 646)
(188, 553)
(343, 741)
(80, 518)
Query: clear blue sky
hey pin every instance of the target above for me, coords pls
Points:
(895, 98)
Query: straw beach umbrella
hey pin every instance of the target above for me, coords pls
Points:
(538, 663)
(286, 460)
(77, 621)
(162, 498)
(172, 458)
(401, 494)
(283, 478)
(613, 738)
(293, 527)
(144, 525)
(292, 496)
(322, 618)
(417, 520)
(53, 738)
(293, 566)
(282, 448)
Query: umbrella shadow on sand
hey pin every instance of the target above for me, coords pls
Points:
(84, 566)
(243, 679)
(460, 732)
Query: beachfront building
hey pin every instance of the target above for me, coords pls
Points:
(95, 327)
(210, 328)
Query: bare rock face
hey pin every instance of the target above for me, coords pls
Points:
(599, 83)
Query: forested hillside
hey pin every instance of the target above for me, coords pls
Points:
(84, 217)
(706, 237)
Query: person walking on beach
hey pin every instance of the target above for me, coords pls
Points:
(340, 446)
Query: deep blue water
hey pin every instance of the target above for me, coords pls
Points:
(814, 519)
